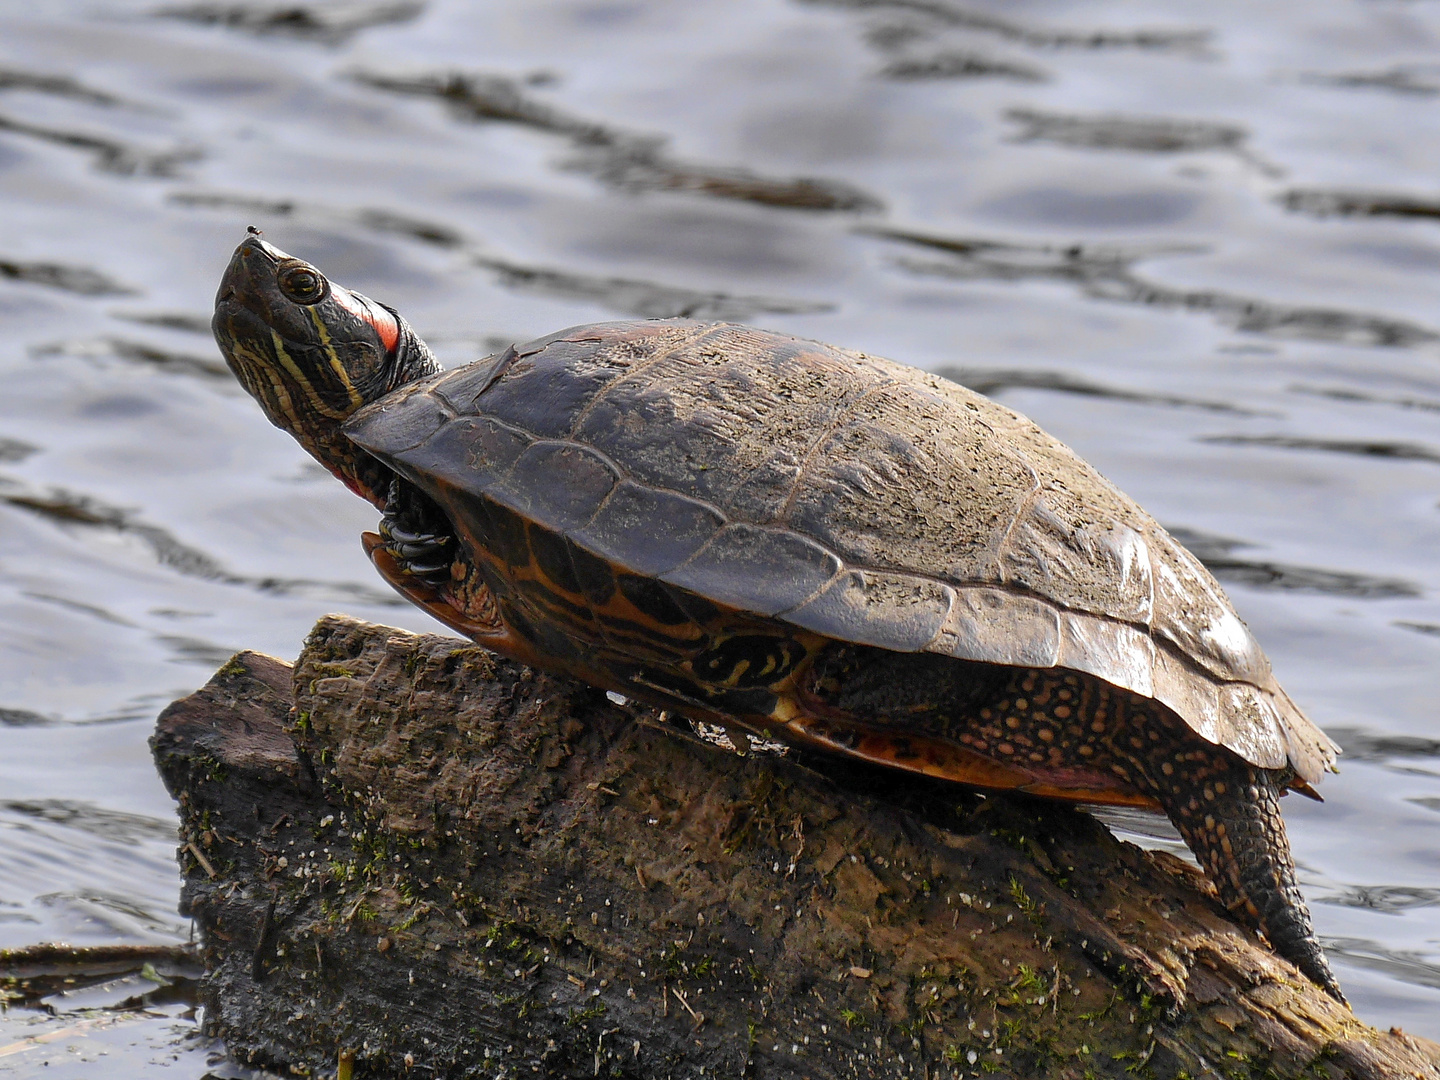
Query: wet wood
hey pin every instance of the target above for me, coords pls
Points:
(441, 863)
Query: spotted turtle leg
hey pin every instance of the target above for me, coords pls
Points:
(1228, 811)
(417, 535)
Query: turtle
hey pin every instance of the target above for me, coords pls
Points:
(783, 537)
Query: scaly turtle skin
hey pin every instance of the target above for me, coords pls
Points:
(777, 535)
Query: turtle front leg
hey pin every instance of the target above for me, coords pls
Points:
(416, 535)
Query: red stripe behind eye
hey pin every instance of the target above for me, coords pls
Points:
(372, 313)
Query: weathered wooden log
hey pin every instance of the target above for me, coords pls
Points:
(441, 863)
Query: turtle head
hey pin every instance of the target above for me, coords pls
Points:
(312, 353)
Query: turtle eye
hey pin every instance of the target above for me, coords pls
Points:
(303, 284)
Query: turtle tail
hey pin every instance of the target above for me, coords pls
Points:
(1230, 818)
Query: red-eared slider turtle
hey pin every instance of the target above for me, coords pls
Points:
(757, 530)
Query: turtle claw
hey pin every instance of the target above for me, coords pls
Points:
(393, 532)
(415, 551)
(419, 551)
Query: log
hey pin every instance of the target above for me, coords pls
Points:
(410, 857)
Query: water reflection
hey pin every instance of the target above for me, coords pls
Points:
(1408, 967)
(626, 160)
(975, 19)
(1106, 273)
(331, 23)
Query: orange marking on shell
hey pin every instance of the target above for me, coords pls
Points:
(495, 636)
(685, 637)
(949, 761)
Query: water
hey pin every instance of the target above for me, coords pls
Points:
(1201, 245)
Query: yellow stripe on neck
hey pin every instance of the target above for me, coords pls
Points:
(316, 403)
(333, 355)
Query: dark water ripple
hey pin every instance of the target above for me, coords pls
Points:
(1218, 555)
(170, 320)
(949, 64)
(1422, 80)
(15, 450)
(621, 296)
(367, 218)
(139, 352)
(331, 23)
(1321, 203)
(1406, 966)
(1432, 629)
(917, 48)
(197, 651)
(975, 18)
(1388, 899)
(111, 155)
(1400, 451)
(1105, 272)
(93, 610)
(24, 718)
(56, 85)
(111, 824)
(68, 508)
(1360, 745)
(499, 98)
(645, 299)
(76, 279)
(622, 159)
(992, 381)
(1341, 393)
(1146, 135)
(926, 40)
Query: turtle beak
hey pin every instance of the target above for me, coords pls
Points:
(251, 268)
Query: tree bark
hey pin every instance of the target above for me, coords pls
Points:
(407, 856)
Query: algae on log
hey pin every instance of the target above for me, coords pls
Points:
(444, 864)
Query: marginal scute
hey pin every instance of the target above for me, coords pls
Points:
(490, 526)
(673, 527)
(1257, 732)
(558, 484)
(1312, 752)
(1189, 693)
(998, 627)
(400, 421)
(1120, 654)
(765, 571)
(871, 607)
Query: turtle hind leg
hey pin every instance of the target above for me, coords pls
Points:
(417, 535)
(1229, 814)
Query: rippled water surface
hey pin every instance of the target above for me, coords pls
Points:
(1201, 244)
